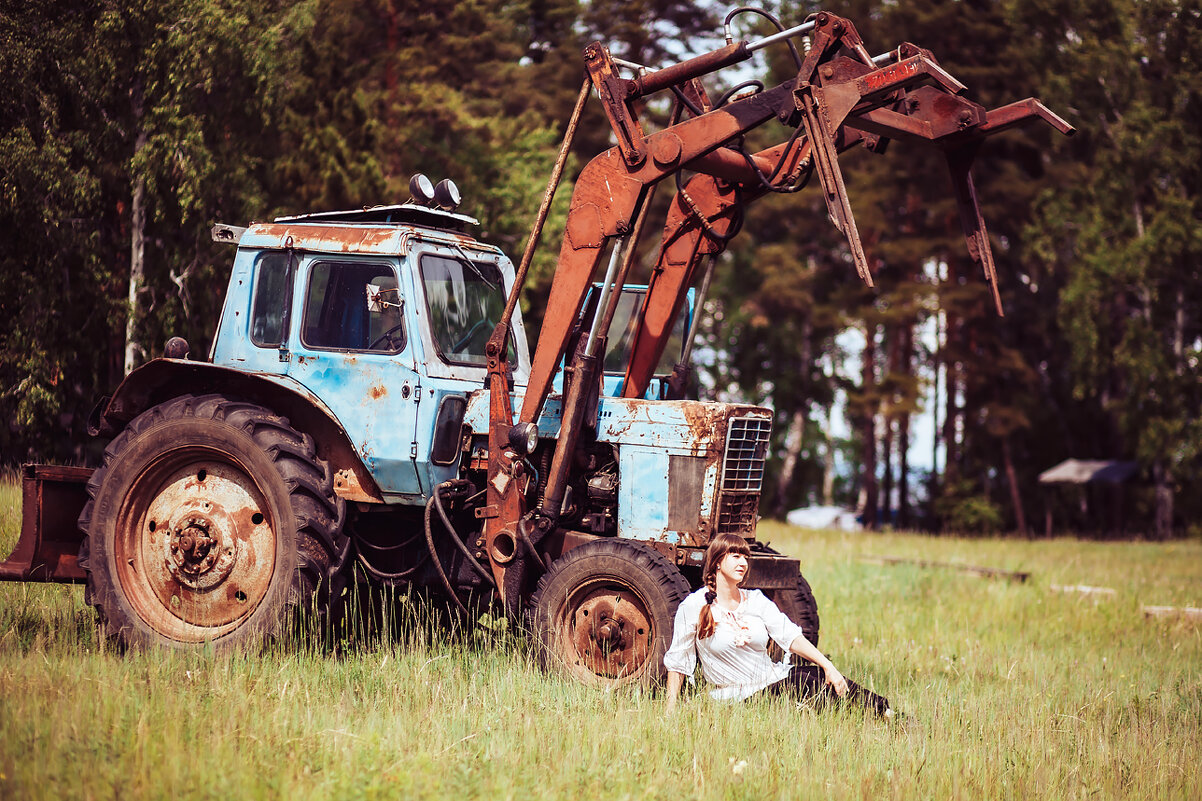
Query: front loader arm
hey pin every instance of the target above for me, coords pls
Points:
(840, 93)
(604, 203)
(699, 225)
(838, 88)
(700, 222)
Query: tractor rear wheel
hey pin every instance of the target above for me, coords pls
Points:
(797, 602)
(211, 521)
(604, 612)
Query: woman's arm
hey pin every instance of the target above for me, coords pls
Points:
(806, 650)
(675, 682)
(681, 658)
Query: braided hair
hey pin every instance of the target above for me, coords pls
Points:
(718, 549)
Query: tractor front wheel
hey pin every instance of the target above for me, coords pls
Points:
(604, 612)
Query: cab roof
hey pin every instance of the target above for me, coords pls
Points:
(403, 213)
(379, 230)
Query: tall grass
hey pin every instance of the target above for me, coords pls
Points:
(1010, 690)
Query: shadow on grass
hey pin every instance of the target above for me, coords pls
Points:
(367, 617)
(35, 629)
(371, 617)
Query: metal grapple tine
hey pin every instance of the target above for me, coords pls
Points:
(959, 162)
(834, 191)
(1020, 113)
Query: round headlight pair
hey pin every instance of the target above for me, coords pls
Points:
(445, 195)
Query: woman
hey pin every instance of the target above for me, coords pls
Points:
(729, 627)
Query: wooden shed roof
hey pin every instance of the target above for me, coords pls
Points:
(1089, 471)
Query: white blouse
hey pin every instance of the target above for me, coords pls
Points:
(735, 658)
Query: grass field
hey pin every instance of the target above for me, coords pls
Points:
(1011, 691)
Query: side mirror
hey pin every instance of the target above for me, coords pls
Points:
(380, 298)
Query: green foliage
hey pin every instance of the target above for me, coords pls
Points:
(960, 509)
(1127, 236)
(107, 96)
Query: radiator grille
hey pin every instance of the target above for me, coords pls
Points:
(743, 473)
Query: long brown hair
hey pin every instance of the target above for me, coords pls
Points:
(718, 549)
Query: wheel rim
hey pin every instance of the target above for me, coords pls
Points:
(195, 546)
(606, 630)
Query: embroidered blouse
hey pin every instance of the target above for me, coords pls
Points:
(735, 658)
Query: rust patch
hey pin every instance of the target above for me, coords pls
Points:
(348, 486)
(341, 238)
(705, 423)
(377, 391)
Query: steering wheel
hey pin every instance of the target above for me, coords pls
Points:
(471, 332)
(387, 337)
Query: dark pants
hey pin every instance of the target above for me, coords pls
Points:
(807, 683)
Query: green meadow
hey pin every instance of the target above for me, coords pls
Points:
(1010, 690)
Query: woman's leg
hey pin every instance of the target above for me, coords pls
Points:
(807, 682)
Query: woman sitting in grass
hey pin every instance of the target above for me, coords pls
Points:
(729, 627)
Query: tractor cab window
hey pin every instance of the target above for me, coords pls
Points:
(353, 306)
(272, 289)
(465, 300)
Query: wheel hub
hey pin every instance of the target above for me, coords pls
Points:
(203, 548)
(611, 632)
(200, 554)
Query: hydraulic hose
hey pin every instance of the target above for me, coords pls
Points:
(758, 86)
(771, 18)
(446, 521)
(766, 180)
(446, 582)
(384, 575)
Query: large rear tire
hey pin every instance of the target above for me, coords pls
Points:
(798, 603)
(210, 521)
(603, 613)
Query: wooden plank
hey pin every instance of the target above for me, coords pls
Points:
(975, 570)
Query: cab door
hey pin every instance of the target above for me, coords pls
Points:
(351, 347)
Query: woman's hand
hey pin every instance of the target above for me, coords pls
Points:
(835, 680)
(675, 681)
(806, 650)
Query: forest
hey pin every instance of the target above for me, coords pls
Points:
(127, 130)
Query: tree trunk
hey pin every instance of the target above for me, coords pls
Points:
(137, 266)
(903, 472)
(795, 437)
(1016, 498)
(868, 482)
(937, 360)
(828, 463)
(951, 381)
(887, 482)
(1162, 477)
(793, 442)
(903, 431)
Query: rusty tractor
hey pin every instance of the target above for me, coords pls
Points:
(369, 407)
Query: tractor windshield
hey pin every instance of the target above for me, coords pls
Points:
(465, 300)
(627, 317)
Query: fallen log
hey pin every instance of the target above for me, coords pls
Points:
(1084, 589)
(975, 570)
(1188, 612)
